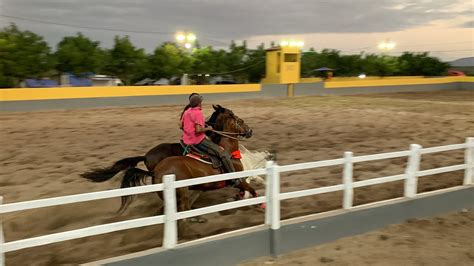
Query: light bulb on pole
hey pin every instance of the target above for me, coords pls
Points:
(191, 37)
(186, 39)
(180, 37)
(386, 45)
(291, 43)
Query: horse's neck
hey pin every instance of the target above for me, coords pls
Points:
(229, 145)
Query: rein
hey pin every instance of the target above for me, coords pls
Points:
(227, 134)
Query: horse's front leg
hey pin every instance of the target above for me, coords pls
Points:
(244, 186)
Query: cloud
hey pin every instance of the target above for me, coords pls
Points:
(230, 19)
(469, 24)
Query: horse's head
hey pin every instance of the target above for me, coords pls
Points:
(224, 119)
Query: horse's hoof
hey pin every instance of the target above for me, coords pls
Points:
(242, 195)
(198, 220)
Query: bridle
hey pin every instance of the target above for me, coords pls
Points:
(231, 135)
(227, 134)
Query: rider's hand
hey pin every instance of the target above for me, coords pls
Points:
(209, 128)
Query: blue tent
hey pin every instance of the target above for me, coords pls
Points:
(79, 82)
(324, 69)
(40, 83)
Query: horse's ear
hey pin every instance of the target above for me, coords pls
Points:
(215, 107)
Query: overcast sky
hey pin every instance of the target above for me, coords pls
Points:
(442, 26)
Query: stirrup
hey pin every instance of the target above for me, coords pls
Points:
(235, 182)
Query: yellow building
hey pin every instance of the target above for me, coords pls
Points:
(283, 65)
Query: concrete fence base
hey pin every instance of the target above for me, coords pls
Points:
(266, 91)
(301, 232)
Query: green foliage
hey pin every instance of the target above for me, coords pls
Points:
(23, 54)
(256, 64)
(169, 60)
(408, 64)
(125, 61)
(420, 64)
(78, 54)
(208, 60)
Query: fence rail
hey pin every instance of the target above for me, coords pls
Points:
(272, 196)
(35, 204)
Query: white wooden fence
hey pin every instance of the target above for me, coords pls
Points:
(272, 196)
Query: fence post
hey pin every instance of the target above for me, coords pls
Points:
(347, 180)
(171, 230)
(275, 195)
(469, 160)
(272, 212)
(411, 181)
(290, 89)
(268, 191)
(2, 240)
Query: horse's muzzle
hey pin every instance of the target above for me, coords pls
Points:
(249, 134)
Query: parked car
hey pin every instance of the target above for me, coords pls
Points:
(456, 73)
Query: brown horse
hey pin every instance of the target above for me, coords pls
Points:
(154, 156)
(185, 167)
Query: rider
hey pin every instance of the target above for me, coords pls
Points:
(194, 130)
(184, 110)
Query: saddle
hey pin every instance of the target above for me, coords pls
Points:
(192, 152)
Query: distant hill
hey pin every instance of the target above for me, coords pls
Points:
(463, 62)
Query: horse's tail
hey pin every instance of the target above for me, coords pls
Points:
(103, 174)
(133, 177)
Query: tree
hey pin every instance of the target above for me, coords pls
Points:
(350, 65)
(420, 64)
(374, 65)
(23, 54)
(256, 64)
(309, 62)
(125, 61)
(78, 54)
(208, 60)
(326, 58)
(169, 60)
(236, 58)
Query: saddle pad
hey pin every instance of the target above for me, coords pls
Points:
(206, 160)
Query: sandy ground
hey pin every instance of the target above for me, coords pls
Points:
(43, 154)
(443, 240)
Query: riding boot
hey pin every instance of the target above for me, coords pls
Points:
(229, 167)
(228, 163)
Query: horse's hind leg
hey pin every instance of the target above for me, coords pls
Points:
(162, 206)
(182, 197)
(194, 196)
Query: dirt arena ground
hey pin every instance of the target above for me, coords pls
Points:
(43, 154)
(443, 240)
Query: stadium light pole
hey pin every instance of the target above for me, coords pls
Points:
(186, 39)
(386, 46)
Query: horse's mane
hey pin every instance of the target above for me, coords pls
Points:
(212, 122)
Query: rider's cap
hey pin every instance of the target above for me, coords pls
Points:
(195, 100)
